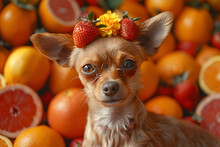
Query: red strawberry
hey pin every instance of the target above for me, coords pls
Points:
(128, 29)
(85, 31)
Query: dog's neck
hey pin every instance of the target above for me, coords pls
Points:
(117, 118)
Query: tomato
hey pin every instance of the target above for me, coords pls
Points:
(187, 94)
(164, 90)
(46, 98)
(190, 119)
(92, 2)
(77, 142)
(215, 40)
(189, 47)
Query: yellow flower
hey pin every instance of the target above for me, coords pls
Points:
(111, 21)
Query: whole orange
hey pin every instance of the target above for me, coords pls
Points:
(194, 25)
(167, 46)
(25, 65)
(40, 136)
(67, 112)
(62, 78)
(205, 53)
(149, 80)
(17, 24)
(164, 105)
(157, 6)
(3, 56)
(175, 65)
(134, 9)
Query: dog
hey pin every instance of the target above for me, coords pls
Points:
(109, 69)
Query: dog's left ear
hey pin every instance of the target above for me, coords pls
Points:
(153, 31)
(56, 47)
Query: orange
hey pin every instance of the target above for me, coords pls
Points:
(215, 4)
(96, 10)
(59, 16)
(149, 80)
(17, 24)
(67, 112)
(205, 53)
(25, 65)
(194, 25)
(62, 78)
(209, 77)
(134, 10)
(164, 105)
(2, 81)
(167, 46)
(40, 136)
(177, 64)
(3, 56)
(5, 142)
(157, 6)
(21, 108)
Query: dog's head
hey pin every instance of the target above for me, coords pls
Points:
(109, 66)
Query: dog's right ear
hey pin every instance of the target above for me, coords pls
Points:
(56, 47)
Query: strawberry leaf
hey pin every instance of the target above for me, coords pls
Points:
(91, 16)
(135, 19)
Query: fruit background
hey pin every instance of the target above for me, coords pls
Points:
(182, 79)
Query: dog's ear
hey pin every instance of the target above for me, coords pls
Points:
(153, 31)
(56, 47)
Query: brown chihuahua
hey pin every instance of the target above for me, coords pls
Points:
(109, 68)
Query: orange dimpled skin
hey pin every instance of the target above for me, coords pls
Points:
(194, 25)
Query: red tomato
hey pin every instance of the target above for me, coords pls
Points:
(77, 142)
(215, 40)
(164, 90)
(187, 94)
(190, 119)
(92, 2)
(46, 98)
(188, 47)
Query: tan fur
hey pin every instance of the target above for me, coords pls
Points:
(108, 124)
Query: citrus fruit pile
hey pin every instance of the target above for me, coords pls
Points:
(44, 104)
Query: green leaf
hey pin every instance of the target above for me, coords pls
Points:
(91, 16)
(101, 26)
(135, 19)
(180, 78)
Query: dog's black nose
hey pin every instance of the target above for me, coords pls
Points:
(110, 88)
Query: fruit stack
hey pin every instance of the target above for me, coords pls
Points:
(45, 104)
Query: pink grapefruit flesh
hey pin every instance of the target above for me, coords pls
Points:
(208, 111)
(21, 108)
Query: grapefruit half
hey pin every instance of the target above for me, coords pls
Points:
(21, 108)
(208, 112)
(59, 16)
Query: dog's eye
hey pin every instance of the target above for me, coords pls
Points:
(88, 69)
(128, 64)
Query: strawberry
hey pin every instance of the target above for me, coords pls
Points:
(128, 29)
(85, 31)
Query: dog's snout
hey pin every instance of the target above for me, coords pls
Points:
(110, 88)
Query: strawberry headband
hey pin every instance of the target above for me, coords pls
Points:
(107, 24)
